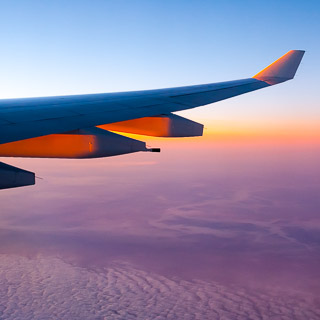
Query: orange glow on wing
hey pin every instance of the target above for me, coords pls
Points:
(170, 125)
(51, 146)
(282, 69)
(149, 126)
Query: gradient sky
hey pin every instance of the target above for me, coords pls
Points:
(226, 225)
(54, 47)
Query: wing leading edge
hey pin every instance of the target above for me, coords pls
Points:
(32, 117)
(28, 118)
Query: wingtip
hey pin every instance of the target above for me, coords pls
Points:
(282, 69)
(302, 51)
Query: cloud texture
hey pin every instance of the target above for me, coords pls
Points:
(49, 288)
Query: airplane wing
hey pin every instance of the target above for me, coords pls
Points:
(77, 117)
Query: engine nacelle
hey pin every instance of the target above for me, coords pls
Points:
(169, 125)
(12, 177)
(84, 143)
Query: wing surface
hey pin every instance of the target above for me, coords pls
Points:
(33, 117)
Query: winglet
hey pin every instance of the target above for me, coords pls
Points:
(282, 69)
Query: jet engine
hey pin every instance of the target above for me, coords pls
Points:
(12, 177)
(84, 143)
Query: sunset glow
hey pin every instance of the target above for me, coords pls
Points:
(220, 226)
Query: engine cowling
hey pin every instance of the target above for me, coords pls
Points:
(84, 143)
(13, 177)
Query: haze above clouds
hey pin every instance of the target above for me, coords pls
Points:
(232, 231)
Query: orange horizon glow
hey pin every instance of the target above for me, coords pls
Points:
(286, 133)
(277, 133)
(216, 132)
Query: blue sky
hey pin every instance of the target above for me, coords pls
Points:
(74, 47)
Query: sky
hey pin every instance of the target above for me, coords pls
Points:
(107, 46)
(224, 225)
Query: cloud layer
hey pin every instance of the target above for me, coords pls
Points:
(49, 288)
